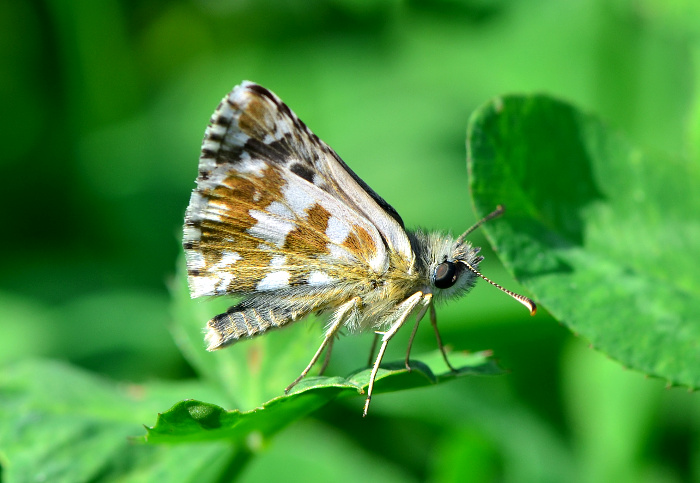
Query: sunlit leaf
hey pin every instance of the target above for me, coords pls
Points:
(604, 235)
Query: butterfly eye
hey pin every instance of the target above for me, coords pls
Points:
(445, 275)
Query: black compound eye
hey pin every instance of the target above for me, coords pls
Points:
(445, 275)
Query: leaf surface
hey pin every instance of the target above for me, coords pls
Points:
(603, 235)
(192, 420)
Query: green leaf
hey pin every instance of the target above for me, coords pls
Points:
(60, 423)
(604, 235)
(192, 420)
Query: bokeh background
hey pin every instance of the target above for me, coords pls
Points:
(104, 105)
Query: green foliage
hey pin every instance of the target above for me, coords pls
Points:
(53, 412)
(603, 235)
(60, 423)
(199, 421)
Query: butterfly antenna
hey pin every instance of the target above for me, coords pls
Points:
(500, 209)
(529, 303)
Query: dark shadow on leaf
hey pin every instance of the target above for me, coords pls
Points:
(567, 174)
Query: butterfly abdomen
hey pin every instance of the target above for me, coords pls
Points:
(242, 323)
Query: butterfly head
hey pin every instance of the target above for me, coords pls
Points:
(450, 267)
(444, 263)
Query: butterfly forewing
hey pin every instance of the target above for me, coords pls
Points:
(253, 122)
(264, 217)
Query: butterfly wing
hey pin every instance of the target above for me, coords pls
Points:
(275, 133)
(259, 159)
(267, 229)
(278, 217)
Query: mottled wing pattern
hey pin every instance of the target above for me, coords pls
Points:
(258, 231)
(276, 133)
(268, 220)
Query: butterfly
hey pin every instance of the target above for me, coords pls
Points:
(278, 219)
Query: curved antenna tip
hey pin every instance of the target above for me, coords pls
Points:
(527, 302)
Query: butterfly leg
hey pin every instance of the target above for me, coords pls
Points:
(372, 348)
(433, 322)
(336, 323)
(426, 303)
(407, 363)
(404, 310)
(327, 357)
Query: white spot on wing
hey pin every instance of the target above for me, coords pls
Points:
(278, 261)
(274, 281)
(248, 165)
(210, 145)
(228, 258)
(284, 126)
(277, 208)
(197, 206)
(192, 233)
(207, 164)
(270, 228)
(298, 198)
(337, 230)
(200, 286)
(217, 129)
(338, 252)
(225, 281)
(195, 260)
(235, 137)
(211, 216)
(319, 278)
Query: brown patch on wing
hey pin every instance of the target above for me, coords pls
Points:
(359, 241)
(231, 202)
(309, 238)
(256, 120)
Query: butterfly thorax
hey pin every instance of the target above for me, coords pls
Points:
(379, 294)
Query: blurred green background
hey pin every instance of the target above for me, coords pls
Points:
(104, 108)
